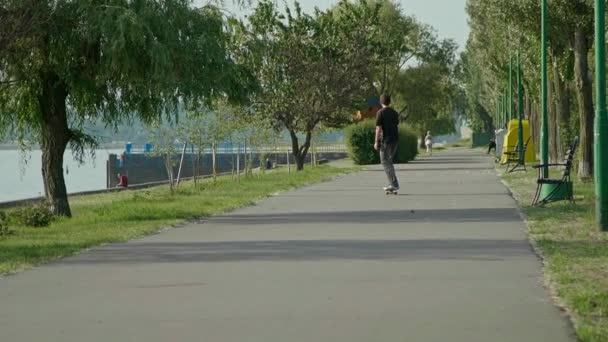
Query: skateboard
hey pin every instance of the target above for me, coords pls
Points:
(392, 192)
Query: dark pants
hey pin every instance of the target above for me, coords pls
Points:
(387, 153)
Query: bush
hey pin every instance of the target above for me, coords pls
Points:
(360, 142)
(4, 228)
(408, 145)
(37, 215)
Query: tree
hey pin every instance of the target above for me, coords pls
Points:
(194, 130)
(164, 138)
(428, 95)
(313, 69)
(577, 18)
(498, 28)
(399, 38)
(216, 124)
(110, 60)
(19, 19)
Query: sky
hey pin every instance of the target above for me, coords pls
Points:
(448, 17)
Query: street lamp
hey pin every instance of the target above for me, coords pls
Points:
(601, 119)
(520, 111)
(510, 88)
(544, 131)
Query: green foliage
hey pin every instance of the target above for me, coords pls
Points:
(164, 138)
(408, 145)
(111, 60)
(4, 226)
(360, 141)
(499, 29)
(430, 97)
(313, 68)
(35, 215)
(425, 91)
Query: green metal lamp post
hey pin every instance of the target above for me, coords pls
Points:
(497, 116)
(601, 119)
(503, 113)
(499, 111)
(510, 88)
(544, 130)
(520, 112)
(505, 110)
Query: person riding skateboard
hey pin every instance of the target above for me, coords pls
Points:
(387, 140)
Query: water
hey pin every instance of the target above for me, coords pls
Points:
(16, 185)
(20, 182)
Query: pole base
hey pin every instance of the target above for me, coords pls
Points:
(555, 192)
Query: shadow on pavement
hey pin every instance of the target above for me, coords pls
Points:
(375, 216)
(399, 168)
(404, 191)
(400, 250)
(449, 161)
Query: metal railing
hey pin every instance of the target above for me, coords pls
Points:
(227, 149)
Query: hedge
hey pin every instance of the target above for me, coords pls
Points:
(360, 142)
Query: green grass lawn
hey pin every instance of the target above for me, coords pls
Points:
(575, 253)
(121, 216)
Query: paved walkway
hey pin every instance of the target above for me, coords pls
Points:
(447, 260)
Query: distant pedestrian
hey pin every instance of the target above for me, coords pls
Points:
(387, 139)
(428, 142)
(492, 145)
(123, 181)
(499, 135)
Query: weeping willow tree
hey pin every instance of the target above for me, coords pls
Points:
(108, 60)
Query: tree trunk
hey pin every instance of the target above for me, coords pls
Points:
(55, 136)
(299, 152)
(553, 138)
(232, 157)
(251, 160)
(197, 170)
(238, 161)
(245, 162)
(585, 103)
(214, 160)
(529, 110)
(168, 159)
(422, 144)
(562, 108)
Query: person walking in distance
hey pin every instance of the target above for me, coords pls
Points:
(387, 140)
(428, 141)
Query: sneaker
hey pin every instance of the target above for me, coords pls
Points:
(391, 188)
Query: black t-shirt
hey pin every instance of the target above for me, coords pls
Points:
(388, 119)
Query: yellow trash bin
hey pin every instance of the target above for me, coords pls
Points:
(510, 144)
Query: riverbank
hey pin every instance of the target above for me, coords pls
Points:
(21, 178)
(122, 216)
(16, 147)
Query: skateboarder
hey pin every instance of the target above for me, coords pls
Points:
(387, 138)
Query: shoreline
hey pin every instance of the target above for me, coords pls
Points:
(13, 147)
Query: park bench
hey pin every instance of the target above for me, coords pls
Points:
(552, 189)
(513, 157)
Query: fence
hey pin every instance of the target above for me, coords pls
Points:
(229, 149)
(143, 168)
